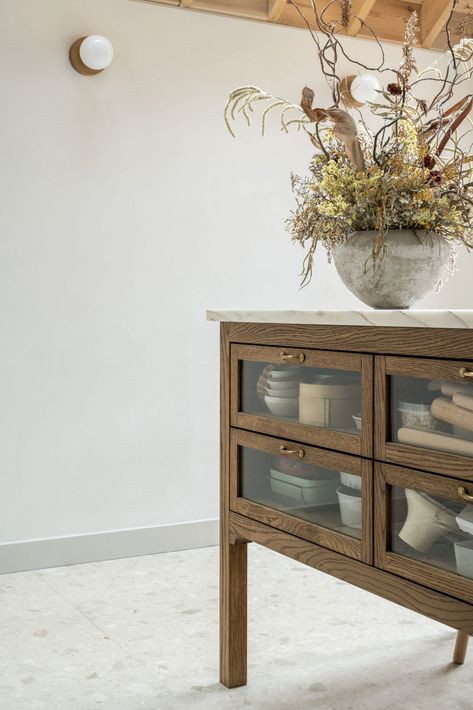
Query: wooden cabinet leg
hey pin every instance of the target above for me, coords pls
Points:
(461, 644)
(233, 613)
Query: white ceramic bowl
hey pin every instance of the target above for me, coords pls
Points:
(281, 385)
(287, 373)
(350, 509)
(282, 407)
(357, 419)
(283, 394)
(465, 519)
(350, 480)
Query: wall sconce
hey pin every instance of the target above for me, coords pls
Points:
(359, 90)
(91, 55)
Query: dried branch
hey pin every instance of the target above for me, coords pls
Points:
(344, 126)
(455, 124)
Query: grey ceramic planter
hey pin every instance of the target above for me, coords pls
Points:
(413, 264)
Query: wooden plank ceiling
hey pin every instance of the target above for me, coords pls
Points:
(387, 18)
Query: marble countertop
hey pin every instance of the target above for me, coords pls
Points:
(408, 318)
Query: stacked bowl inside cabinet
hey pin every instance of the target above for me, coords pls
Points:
(278, 388)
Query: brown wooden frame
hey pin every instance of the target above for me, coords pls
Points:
(233, 553)
(429, 602)
(352, 547)
(436, 342)
(386, 476)
(237, 529)
(361, 445)
(405, 455)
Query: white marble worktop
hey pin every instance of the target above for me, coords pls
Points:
(407, 318)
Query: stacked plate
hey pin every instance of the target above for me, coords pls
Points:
(303, 483)
(278, 387)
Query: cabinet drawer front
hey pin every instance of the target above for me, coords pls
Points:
(321, 496)
(424, 528)
(424, 414)
(320, 397)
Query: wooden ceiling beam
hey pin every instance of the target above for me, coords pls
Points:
(275, 9)
(433, 17)
(360, 9)
(386, 18)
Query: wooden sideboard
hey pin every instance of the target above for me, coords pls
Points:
(361, 505)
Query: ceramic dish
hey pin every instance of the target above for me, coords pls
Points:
(283, 394)
(357, 419)
(287, 373)
(305, 491)
(425, 518)
(282, 407)
(350, 507)
(277, 386)
(350, 480)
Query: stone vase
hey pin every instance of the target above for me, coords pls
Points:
(412, 265)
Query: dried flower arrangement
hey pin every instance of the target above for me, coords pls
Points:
(413, 172)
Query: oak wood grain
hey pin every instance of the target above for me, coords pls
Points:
(428, 460)
(415, 457)
(311, 455)
(367, 405)
(402, 565)
(233, 554)
(428, 369)
(436, 342)
(258, 510)
(318, 436)
(367, 511)
(441, 607)
(380, 408)
(329, 438)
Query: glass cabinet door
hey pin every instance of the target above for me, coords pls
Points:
(319, 495)
(316, 396)
(428, 405)
(429, 530)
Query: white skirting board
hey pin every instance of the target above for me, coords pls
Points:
(57, 551)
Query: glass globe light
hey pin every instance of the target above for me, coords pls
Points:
(364, 88)
(96, 52)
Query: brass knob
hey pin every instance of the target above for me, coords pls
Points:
(293, 452)
(299, 356)
(463, 372)
(464, 495)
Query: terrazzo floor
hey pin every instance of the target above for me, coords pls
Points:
(143, 633)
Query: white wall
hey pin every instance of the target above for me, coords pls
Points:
(126, 210)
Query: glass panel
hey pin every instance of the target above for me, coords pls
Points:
(311, 395)
(432, 530)
(432, 414)
(319, 495)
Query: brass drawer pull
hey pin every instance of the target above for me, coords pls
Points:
(464, 495)
(291, 452)
(463, 372)
(300, 356)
